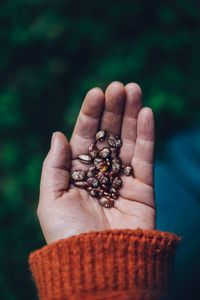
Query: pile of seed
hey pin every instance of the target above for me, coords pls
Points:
(102, 180)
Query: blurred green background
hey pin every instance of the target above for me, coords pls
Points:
(51, 53)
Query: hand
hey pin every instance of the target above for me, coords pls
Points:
(65, 210)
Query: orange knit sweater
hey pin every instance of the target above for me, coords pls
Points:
(113, 264)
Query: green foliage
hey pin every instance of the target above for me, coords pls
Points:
(51, 53)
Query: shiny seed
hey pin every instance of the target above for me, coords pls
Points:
(91, 172)
(78, 175)
(104, 153)
(116, 165)
(113, 190)
(106, 202)
(86, 159)
(93, 182)
(106, 194)
(103, 179)
(114, 152)
(108, 162)
(93, 151)
(128, 170)
(81, 184)
(97, 161)
(100, 136)
(100, 192)
(117, 182)
(114, 141)
(92, 191)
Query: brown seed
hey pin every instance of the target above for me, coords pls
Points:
(91, 172)
(92, 191)
(86, 159)
(114, 152)
(113, 190)
(116, 165)
(81, 184)
(106, 193)
(93, 182)
(114, 141)
(104, 153)
(108, 162)
(97, 161)
(117, 182)
(113, 193)
(100, 136)
(103, 179)
(114, 196)
(78, 175)
(93, 151)
(100, 192)
(106, 202)
(105, 187)
(112, 175)
(127, 170)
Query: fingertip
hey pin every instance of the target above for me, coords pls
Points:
(145, 126)
(146, 112)
(58, 138)
(115, 88)
(95, 92)
(133, 88)
(93, 103)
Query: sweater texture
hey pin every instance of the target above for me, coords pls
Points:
(112, 264)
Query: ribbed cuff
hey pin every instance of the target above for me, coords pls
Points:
(112, 264)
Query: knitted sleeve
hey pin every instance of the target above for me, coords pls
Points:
(112, 264)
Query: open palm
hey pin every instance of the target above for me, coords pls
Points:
(65, 210)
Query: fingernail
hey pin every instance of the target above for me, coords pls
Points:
(53, 137)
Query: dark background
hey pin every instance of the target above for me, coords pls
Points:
(51, 53)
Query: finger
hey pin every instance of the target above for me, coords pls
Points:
(114, 103)
(88, 122)
(142, 160)
(129, 123)
(55, 171)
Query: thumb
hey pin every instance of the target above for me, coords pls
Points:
(56, 166)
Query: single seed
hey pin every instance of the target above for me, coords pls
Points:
(78, 175)
(93, 151)
(100, 192)
(93, 182)
(117, 182)
(86, 159)
(113, 190)
(114, 152)
(91, 172)
(106, 202)
(114, 141)
(127, 170)
(103, 179)
(116, 165)
(92, 191)
(108, 162)
(97, 161)
(81, 184)
(106, 194)
(104, 153)
(100, 136)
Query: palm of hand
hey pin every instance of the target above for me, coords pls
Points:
(65, 210)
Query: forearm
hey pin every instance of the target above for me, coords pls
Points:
(114, 264)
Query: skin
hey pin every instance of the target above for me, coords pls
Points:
(65, 210)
